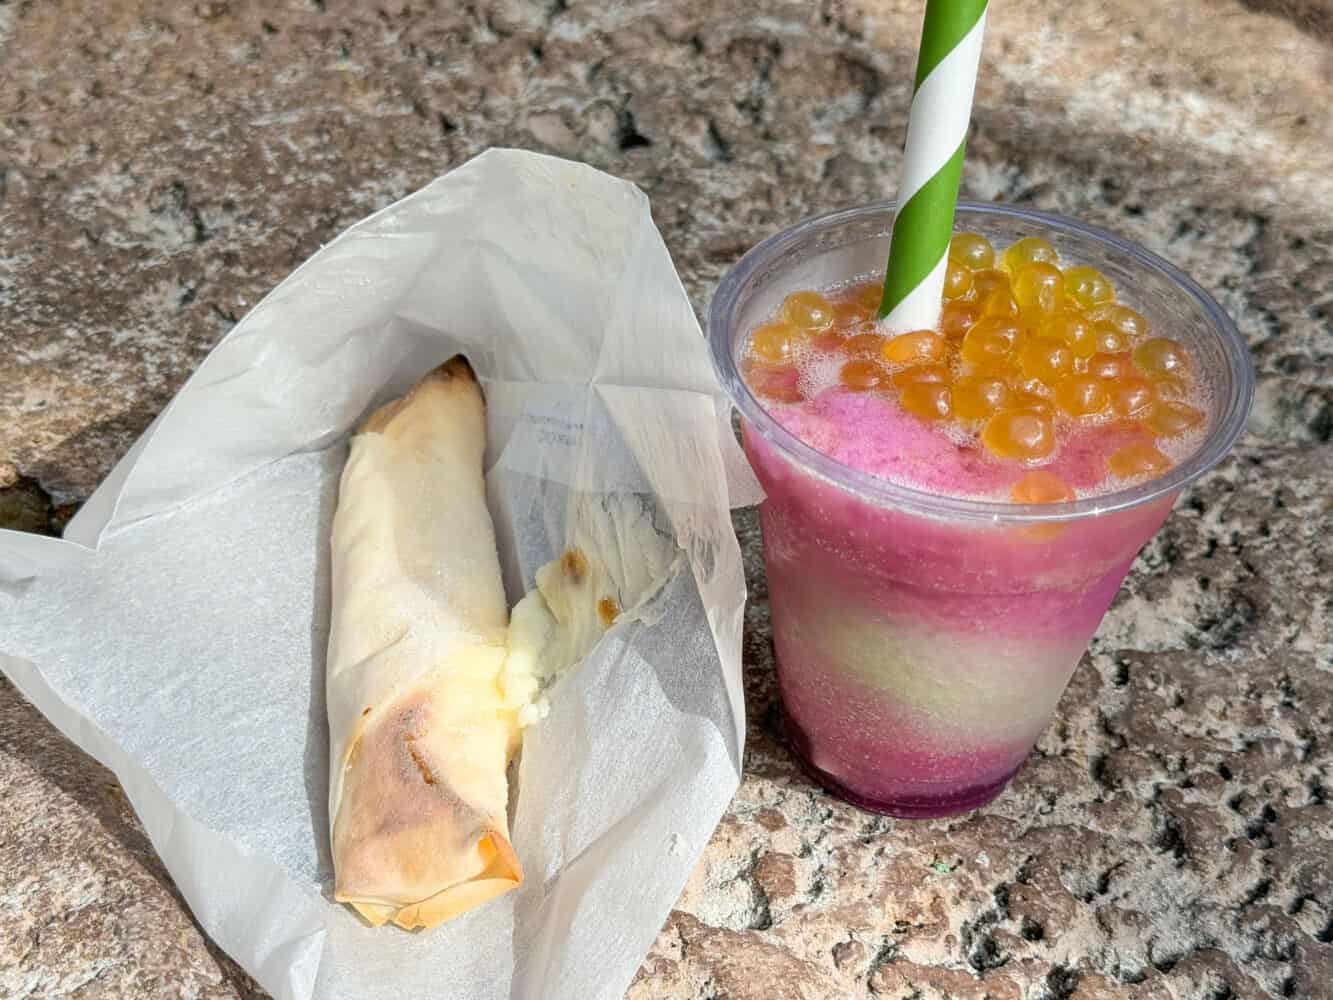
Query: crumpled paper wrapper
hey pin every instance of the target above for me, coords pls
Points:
(178, 632)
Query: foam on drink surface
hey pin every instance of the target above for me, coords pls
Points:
(1051, 372)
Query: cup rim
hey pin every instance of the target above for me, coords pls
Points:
(1228, 427)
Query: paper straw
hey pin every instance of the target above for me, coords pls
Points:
(946, 76)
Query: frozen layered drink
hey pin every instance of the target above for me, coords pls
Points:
(950, 511)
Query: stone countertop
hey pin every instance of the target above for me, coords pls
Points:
(162, 165)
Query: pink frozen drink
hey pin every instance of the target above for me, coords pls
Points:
(949, 513)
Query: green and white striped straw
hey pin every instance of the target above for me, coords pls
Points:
(946, 76)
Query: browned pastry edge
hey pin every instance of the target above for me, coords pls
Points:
(454, 372)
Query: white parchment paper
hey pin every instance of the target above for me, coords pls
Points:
(177, 633)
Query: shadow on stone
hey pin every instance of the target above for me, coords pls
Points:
(25, 506)
(75, 466)
(1314, 17)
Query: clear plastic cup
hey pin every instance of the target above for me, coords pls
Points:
(923, 641)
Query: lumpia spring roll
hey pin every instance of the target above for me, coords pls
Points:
(421, 734)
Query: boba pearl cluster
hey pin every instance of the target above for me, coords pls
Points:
(1026, 352)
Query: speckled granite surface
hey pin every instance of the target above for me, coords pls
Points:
(163, 164)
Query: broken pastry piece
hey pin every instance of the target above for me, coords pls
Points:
(420, 731)
(618, 559)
